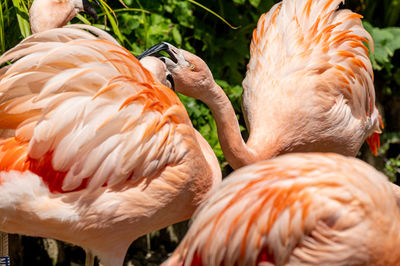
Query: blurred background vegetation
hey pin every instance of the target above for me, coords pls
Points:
(139, 24)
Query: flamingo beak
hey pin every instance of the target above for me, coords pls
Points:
(170, 79)
(89, 9)
(175, 58)
(163, 46)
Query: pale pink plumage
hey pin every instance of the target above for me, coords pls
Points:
(102, 152)
(297, 209)
(309, 61)
(49, 14)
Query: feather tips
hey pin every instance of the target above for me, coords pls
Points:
(85, 104)
(295, 209)
(309, 50)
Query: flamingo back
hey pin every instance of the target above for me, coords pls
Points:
(310, 67)
(297, 209)
(86, 114)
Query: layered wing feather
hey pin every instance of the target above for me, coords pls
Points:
(86, 113)
(311, 57)
(298, 209)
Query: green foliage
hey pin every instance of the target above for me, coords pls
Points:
(392, 165)
(392, 168)
(22, 16)
(387, 41)
(14, 23)
(386, 63)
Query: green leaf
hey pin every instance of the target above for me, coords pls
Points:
(22, 17)
(212, 12)
(394, 42)
(112, 18)
(177, 36)
(255, 3)
(83, 19)
(387, 41)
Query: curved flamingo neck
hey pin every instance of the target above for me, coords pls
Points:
(236, 151)
(45, 15)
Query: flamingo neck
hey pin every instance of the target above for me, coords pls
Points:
(236, 151)
(45, 15)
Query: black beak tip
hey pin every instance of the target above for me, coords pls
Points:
(155, 50)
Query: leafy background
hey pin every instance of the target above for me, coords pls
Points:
(186, 24)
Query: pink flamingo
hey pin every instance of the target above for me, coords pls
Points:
(101, 152)
(297, 209)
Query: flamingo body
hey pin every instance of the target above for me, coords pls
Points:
(297, 209)
(101, 151)
(310, 69)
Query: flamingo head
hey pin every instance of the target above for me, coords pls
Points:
(190, 74)
(49, 14)
(158, 69)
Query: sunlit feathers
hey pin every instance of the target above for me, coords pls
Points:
(310, 63)
(297, 209)
(96, 96)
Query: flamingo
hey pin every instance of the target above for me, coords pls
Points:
(50, 14)
(309, 85)
(101, 152)
(297, 209)
(58, 14)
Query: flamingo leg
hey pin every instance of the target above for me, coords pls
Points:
(4, 258)
(89, 261)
